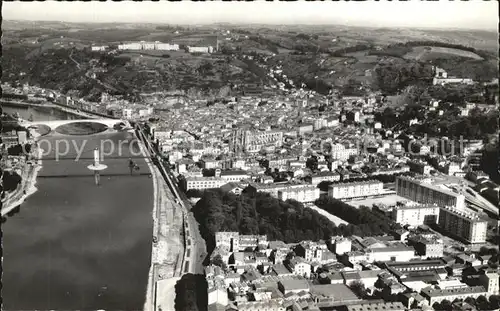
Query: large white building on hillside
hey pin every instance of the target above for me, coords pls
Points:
(148, 46)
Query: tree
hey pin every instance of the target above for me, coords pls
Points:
(11, 180)
(191, 293)
(482, 303)
(446, 305)
(359, 289)
(312, 163)
(194, 193)
(217, 261)
(495, 302)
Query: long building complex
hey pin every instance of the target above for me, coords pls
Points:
(352, 190)
(148, 46)
(422, 191)
(303, 194)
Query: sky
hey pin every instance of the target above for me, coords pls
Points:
(473, 14)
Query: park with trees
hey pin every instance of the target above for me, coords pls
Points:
(288, 221)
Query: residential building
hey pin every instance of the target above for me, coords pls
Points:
(324, 176)
(341, 245)
(469, 226)
(227, 240)
(127, 113)
(489, 279)
(299, 267)
(415, 215)
(305, 128)
(22, 137)
(307, 193)
(235, 175)
(422, 191)
(209, 164)
(311, 251)
(427, 247)
(352, 190)
(252, 241)
(340, 152)
(274, 188)
(202, 182)
(217, 294)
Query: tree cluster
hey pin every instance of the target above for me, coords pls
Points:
(393, 77)
(481, 303)
(490, 161)
(351, 49)
(368, 222)
(394, 50)
(18, 150)
(10, 180)
(477, 125)
(260, 213)
(191, 293)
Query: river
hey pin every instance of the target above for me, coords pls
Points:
(74, 245)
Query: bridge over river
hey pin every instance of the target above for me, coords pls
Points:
(121, 125)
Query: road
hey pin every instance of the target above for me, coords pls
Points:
(195, 247)
(74, 61)
(160, 291)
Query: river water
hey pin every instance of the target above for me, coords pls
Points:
(74, 245)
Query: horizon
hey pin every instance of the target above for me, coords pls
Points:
(411, 14)
(254, 24)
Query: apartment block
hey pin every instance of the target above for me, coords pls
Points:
(489, 279)
(234, 242)
(302, 194)
(469, 226)
(422, 191)
(355, 189)
(203, 183)
(324, 176)
(427, 247)
(416, 215)
(274, 188)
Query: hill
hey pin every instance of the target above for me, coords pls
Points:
(429, 53)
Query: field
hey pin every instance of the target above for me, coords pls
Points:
(426, 53)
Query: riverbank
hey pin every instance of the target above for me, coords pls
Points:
(63, 108)
(27, 186)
